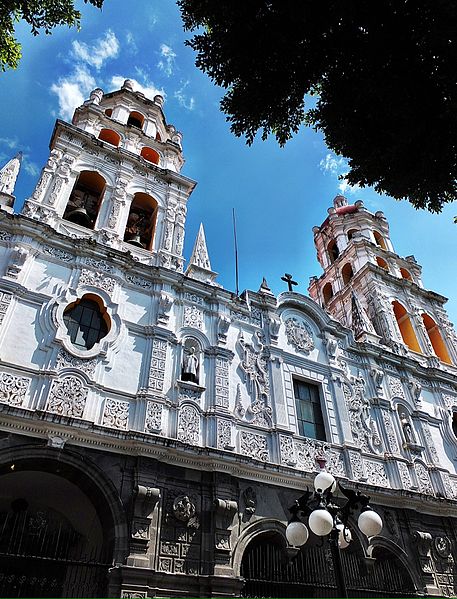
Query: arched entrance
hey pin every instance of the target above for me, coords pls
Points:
(56, 536)
(269, 573)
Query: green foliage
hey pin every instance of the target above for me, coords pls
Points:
(41, 15)
(383, 72)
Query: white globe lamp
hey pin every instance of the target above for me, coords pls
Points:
(370, 523)
(344, 536)
(320, 522)
(296, 534)
(323, 481)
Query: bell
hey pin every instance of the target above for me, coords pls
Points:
(80, 217)
(136, 240)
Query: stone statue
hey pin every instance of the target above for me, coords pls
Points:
(190, 366)
(407, 428)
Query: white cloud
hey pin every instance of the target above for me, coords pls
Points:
(167, 63)
(149, 89)
(131, 43)
(97, 54)
(184, 100)
(30, 167)
(9, 142)
(337, 167)
(71, 91)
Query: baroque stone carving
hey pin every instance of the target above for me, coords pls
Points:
(116, 414)
(416, 389)
(66, 360)
(100, 265)
(390, 431)
(357, 466)
(223, 325)
(189, 425)
(93, 279)
(407, 428)
(423, 479)
(138, 281)
(286, 445)
(250, 500)
(193, 317)
(363, 426)
(158, 362)
(376, 474)
(57, 253)
(127, 594)
(429, 443)
(405, 476)
(222, 382)
(67, 397)
(5, 300)
(378, 377)
(224, 434)
(254, 446)
(183, 508)
(164, 307)
(299, 335)
(396, 387)
(153, 420)
(13, 389)
(254, 364)
(17, 259)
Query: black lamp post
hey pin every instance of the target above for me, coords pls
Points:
(326, 519)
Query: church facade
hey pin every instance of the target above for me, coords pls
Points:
(155, 428)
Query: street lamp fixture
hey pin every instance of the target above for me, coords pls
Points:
(326, 518)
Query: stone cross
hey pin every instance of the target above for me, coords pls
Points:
(288, 279)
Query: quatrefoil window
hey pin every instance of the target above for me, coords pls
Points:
(87, 321)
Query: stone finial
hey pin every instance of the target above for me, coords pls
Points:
(9, 173)
(128, 84)
(200, 256)
(360, 322)
(264, 288)
(96, 96)
(339, 201)
(199, 265)
(159, 100)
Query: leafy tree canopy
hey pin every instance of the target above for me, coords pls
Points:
(383, 73)
(40, 15)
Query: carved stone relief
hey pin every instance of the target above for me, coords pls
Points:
(363, 426)
(57, 253)
(224, 434)
(396, 387)
(423, 479)
(287, 450)
(153, 420)
(66, 360)
(189, 425)
(254, 446)
(299, 335)
(357, 466)
(5, 300)
(429, 443)
(254, 364)
(138, 281)
(158, 362)
(390, 431)
(376, 474)
(13, 389)
(405, 476)
(67, 397)
(116, 414)
(193, 317)
(17, 259)
(222, 383)
(93, 279)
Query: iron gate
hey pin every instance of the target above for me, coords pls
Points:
(41, 555)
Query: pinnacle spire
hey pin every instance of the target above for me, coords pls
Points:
(361, 324)
(199, 264)
(8, 178)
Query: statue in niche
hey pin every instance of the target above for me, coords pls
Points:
(190, 365)
(407, 428)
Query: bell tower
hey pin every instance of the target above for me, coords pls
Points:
(376, 292)
(113, 175)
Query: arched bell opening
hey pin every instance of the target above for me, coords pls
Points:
(437, 341)
(333, 251)
(405, 274)
(379, 240)
(405, 326)
(382, 263)
(136, 119)
(150, 155)
(110, 136)
(327, 293)
(351, 233)
(85, 199)
(141, 221)
(347, 273)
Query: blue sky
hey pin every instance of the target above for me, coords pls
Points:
(278, 194)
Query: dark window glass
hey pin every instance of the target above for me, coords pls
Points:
(309, 414)
(85, 323)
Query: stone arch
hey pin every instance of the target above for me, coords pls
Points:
(110, 136)
(406, 328)
(327, 292)
(347, 273)
(400, 555)
(379, 240)
(136, 119)
(83, 205)
(150, 155)
(436, 338)
(142, 220)
(87, 476)
(265, 525)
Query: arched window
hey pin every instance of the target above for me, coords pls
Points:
(405, 326)
(110, 136)
(379, 239)
(136, 119)
(382, 263)
(347, 273)
(87, 321)
(150, 155)
(109, 112)
(351, 233)
(140, 226)
(333, 251)
(85, 199)
(406, 274)
(437, 341)
(327, 292)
